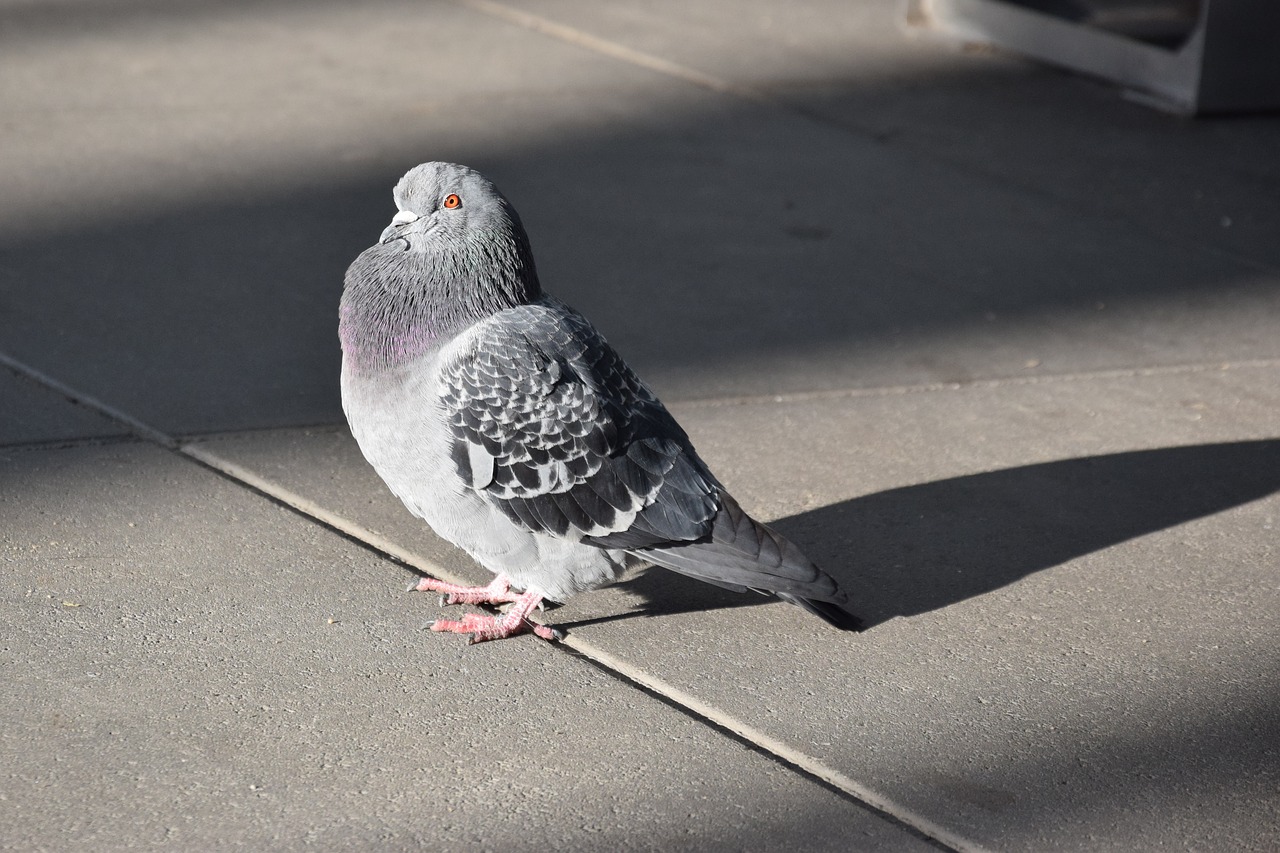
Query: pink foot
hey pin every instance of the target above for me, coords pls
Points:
(497, 592)
(482, 628)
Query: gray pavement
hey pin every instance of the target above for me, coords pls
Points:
(999, 348)
(288, 697)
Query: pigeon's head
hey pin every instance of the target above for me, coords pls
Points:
(445, 208)
(454, 254)
(444, 203)
(453, 219)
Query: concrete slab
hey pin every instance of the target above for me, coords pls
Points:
(1018, 123)
(30, 413)
(181, 202)
(1070, 580)
(189, 665)
(186, 183)
(1071, 585)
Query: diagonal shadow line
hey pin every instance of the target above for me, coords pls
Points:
(920, 548)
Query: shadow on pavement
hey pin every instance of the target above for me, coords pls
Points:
(851, 238)
(919, 548)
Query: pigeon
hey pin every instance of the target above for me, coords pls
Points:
(501, 417)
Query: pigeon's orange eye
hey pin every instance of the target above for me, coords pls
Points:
(452, 201)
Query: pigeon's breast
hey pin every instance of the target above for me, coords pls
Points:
(396, 417)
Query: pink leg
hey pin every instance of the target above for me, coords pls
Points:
(497, 592)
(500, 627)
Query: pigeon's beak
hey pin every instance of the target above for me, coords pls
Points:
(398, 221)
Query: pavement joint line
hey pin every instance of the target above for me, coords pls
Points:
(234, 472)
(315, 512)
(642, 59)
(137, 427)
(785, 754)
(615, 50)
(607, 47)
(1002, 382)
(618, 667)
(68, 443)
(853, 393)
(249, 432)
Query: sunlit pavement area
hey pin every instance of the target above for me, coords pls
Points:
(996, 345)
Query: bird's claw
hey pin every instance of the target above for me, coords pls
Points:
(481, 628)
(484, 628)
(546, 632)
(498, 591)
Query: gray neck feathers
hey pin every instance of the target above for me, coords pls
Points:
(398, 305)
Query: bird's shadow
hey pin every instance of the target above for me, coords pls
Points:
(919, 548)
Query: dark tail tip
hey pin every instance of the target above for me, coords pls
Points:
(832, 614)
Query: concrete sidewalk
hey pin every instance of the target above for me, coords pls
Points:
(998, 348)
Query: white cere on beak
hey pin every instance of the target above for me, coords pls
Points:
(404, 217)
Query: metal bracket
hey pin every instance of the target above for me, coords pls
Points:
(1228, 59)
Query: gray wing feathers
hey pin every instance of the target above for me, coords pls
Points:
(742, 552)
(553, 428)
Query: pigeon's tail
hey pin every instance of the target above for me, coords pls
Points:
(743, 554)
(833, 613)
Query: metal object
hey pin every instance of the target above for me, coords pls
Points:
(1210, 56)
